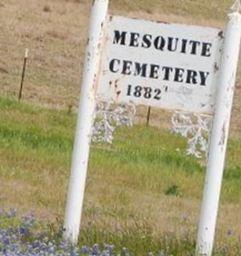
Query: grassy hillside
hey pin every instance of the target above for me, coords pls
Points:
(140, 190)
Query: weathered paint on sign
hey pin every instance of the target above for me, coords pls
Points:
(169, 66)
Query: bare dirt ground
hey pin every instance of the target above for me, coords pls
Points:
(55, 33)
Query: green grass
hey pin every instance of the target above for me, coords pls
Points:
(143, 192)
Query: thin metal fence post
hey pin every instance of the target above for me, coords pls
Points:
(23, 74)
(148, 116)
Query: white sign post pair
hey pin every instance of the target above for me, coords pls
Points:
(169, 66)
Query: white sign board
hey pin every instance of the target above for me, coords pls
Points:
(162, 65)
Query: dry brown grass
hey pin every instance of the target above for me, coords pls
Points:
(55, 32)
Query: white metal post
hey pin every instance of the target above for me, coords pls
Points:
(219, 136)
(85, 122)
